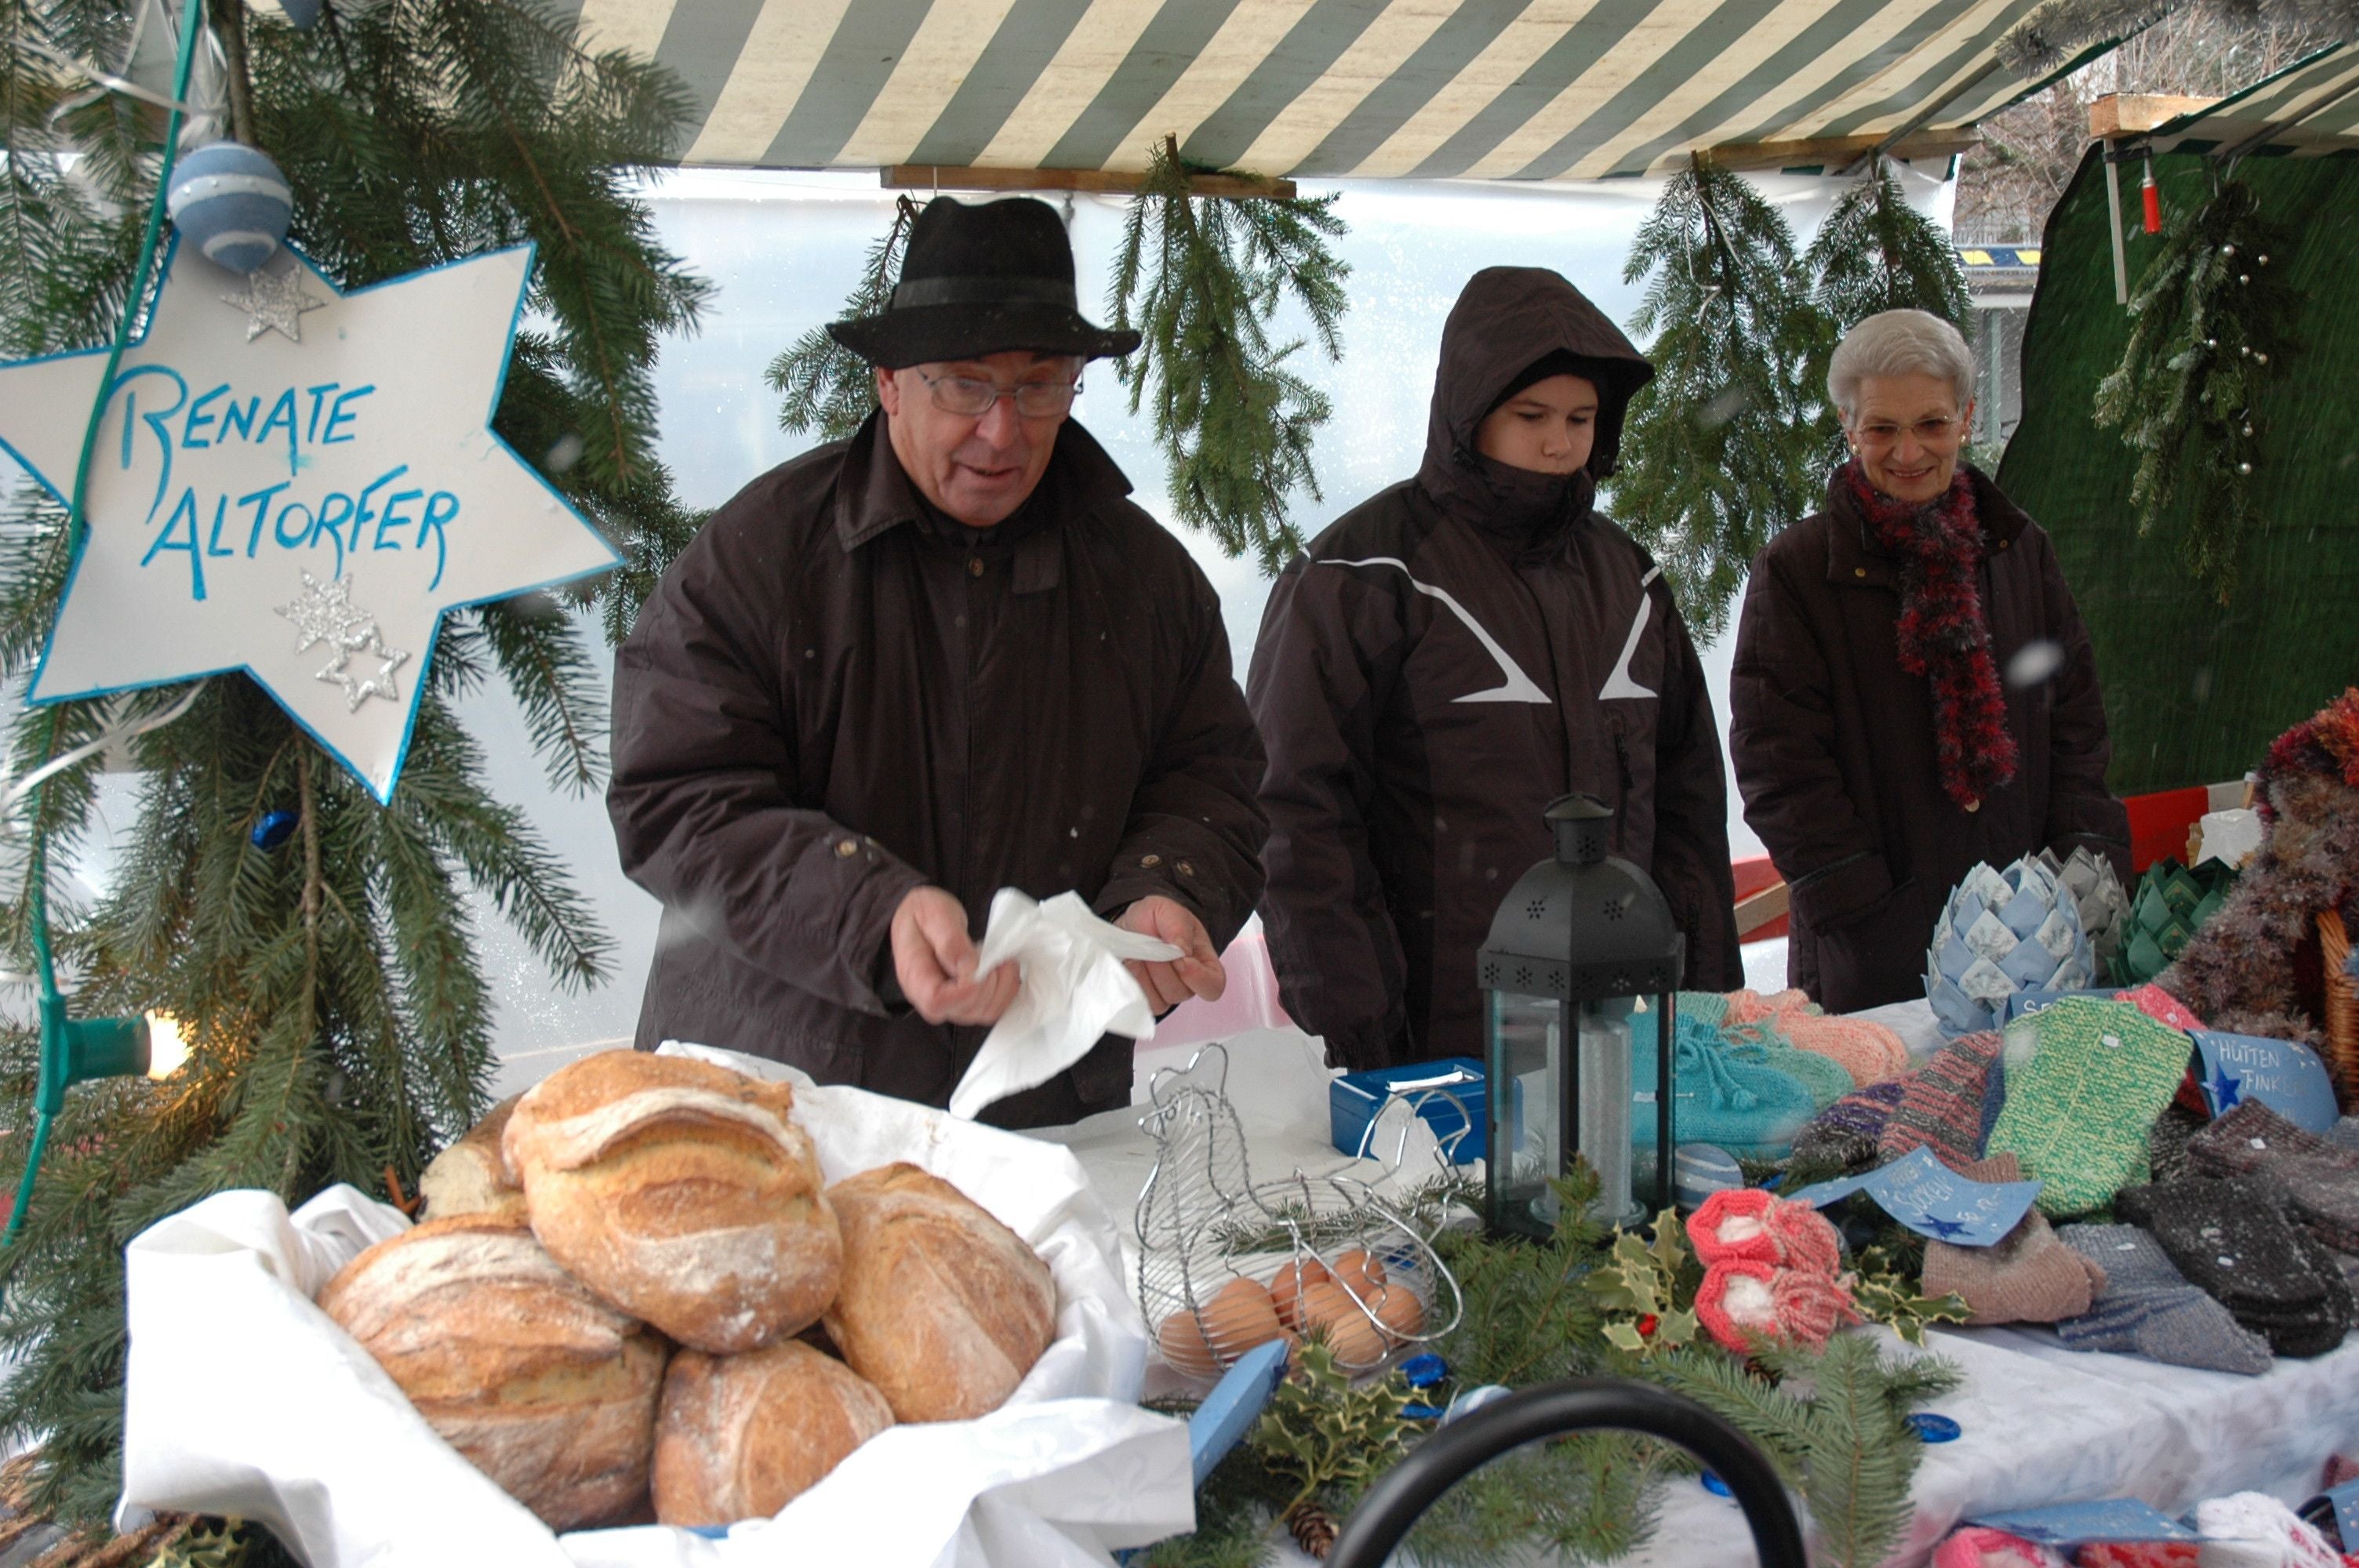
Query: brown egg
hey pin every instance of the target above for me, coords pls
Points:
(1238, 1317)
(1400, 1314)
(1360, 1274)
(1287, 1289)
(1355, 1340)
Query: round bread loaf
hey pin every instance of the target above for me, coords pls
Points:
(681, 1192)
(471, 1176)
(942, 1307)
(544, 1388)
(741, 1436)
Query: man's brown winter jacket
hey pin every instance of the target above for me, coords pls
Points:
(1450, 656)
(837, 695)
(1835, 750)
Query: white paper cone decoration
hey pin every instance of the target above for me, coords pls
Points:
(2003, 932)
(2098, 891)
(232, 204)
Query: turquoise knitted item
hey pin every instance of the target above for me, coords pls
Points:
(2078, 1114)
(1823, 1075)
(1712, 1007)
(1747, 1108)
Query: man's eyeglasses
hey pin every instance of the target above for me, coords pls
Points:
(1928, 432)
(972, 398)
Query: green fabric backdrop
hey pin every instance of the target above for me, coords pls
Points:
(2195, 692)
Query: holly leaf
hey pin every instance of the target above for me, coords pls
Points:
(1675, 1328)
(1671, 1250)
(1625, 1336)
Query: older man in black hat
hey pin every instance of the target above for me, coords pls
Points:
(899, 672)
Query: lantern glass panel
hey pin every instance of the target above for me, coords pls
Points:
(1605, 1096)
(1527, 1094)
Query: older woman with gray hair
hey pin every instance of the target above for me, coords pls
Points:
(1913, 691)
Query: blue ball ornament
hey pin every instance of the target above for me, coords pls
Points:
(274, 828)
(230, 202)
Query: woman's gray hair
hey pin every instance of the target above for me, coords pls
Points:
(1899, 342)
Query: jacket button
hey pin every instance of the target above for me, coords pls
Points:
(1148, 862)
(1973, 805)
(974, 565)
(846, 848)
(2003, 544)
(1186, 870)
(1859, 571)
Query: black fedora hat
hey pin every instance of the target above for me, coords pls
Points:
(979, 279)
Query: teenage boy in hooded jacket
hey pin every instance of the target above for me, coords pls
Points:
(1453, 653)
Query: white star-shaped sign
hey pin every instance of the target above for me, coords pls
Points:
(239, 485)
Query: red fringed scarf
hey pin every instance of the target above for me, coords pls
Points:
(1942, 631)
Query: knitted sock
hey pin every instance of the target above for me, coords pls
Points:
(2028, 1277)
(2077, 1114)
(2345, 1133)
(2161, 1006)
(1941, 1103)
(2146, 1307)
(2258, 1519)
(1744, 1302)
(2321, 1179)
(2232, 1241)
(1748, 1225)
(1844, 1135)
(1976, 1547)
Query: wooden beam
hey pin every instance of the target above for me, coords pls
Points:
(2118, 114)
(933, 176)
(1837, 152)
(1757, 910)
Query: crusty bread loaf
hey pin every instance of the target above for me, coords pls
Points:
(544, 1388)
(471, 1176)
(942, 1307)
(741, 1436)
(683, 1193)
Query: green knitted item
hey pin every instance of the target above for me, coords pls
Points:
(2078, 1113)
(1711, 1007)
(1824, 1076)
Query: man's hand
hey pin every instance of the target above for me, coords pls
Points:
(1196, 972)
(933, 958)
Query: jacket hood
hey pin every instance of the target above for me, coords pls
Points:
(1507, 320)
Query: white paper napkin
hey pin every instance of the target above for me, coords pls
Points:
(1075, 991)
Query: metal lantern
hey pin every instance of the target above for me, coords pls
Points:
(1583, 951)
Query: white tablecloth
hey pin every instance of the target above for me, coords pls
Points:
(2040, 1423)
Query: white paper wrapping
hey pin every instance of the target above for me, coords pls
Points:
(242, 1397)
(1075, 992)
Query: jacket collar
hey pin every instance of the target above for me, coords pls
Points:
(874, 496)
(1856, 559)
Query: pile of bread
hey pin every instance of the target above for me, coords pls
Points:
(632, 1289)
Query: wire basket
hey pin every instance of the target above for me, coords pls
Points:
(1227, 1264)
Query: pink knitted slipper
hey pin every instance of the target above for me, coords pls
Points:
(1748, 1223)
(1742, 1303)
(1975, 1547)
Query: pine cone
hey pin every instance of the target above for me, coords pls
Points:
(1314, 1530)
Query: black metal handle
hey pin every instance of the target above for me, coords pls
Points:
(1397, 1501)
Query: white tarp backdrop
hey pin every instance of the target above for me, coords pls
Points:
(786, 249)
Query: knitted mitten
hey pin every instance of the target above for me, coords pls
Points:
(2345, 1133)
(1748, 1225)
(2232, 1241)
(2146, 1307)
(2167, 1143)
(2321, 1179)
(1744, 1302)
(1845, 1134)
(1976, 1547)
(2077, 1114)
(2161, 1006)
(2028, 1277)
(2258, 1519)
(1941, 1103)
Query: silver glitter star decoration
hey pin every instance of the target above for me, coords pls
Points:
(359, 689)
(275, 302)
(324, 612)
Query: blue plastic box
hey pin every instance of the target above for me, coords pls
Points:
(1448, 1095)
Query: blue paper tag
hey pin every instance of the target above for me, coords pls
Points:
(2289, 1079)
(2121, 1520)
(2345, 1498)
(1932, 1200)
(1235, 1403)
(2022, 1003)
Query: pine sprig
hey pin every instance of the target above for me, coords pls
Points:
(1727, 444)
(1200, 279)
(828, 388)
(2209, 337)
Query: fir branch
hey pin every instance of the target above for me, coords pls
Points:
(1200, 279)
(1726, 445)
(2209, 340)
(829, 389)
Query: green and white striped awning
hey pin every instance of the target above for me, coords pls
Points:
(2310, 108)
(1532, 90)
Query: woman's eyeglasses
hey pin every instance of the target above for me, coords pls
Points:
(1928, 432)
